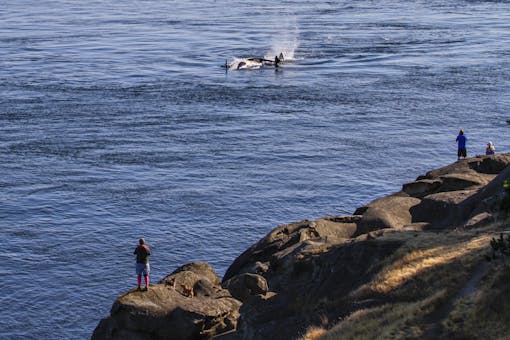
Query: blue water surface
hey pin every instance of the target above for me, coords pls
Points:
(117, 120)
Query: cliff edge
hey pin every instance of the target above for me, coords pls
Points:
(408, 265)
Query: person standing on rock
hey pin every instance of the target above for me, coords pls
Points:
(461, 142)
(142, 253)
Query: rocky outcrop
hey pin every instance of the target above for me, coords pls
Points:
(311, 272)
(455, 195)
(282, 240)
(441, 198)
(302, 273)
(446, 197)
(308, 283)
(188, 304)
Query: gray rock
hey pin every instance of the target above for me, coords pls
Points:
(243, 286)
(393, 211)
(166, 311)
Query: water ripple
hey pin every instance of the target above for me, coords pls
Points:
(114, 126)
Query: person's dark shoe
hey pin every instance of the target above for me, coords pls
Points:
(146, 288)
(139, 288)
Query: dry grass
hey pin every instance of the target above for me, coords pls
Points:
(314, 333)
(390, 321)
(425, 258)
(416, 262)
(421, 276)
(486, 313)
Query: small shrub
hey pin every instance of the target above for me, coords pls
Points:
(505, 202)
(500, 246)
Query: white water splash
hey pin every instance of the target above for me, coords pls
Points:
(243, 63)
(286, 41)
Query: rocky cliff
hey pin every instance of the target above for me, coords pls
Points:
(396, 266)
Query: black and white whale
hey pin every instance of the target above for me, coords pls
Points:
(254, 62)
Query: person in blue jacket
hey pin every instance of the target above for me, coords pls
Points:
(461, 142)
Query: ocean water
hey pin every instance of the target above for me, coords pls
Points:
(117, 121)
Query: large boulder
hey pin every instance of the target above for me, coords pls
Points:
(449, 182)
(422, 187)
(243, 286)
(388, 212)
(441, 209)
(257, 259)
(188, 304)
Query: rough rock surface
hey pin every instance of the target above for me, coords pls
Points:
(304, 272)
(311, 274)
(243, 286)
(169, 311)
(307, 286)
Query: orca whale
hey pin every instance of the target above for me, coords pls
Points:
(254, 62)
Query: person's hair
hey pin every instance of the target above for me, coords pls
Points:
(461, 132)
(142, 241)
